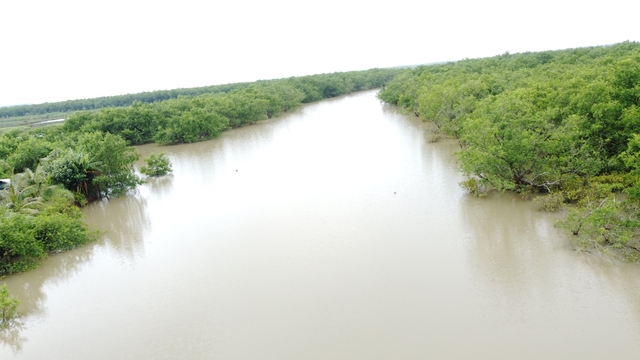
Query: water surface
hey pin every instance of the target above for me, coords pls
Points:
(335, 232)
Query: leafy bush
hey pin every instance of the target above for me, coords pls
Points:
(58, 232)
(608, 226)
(475, 187)
(8, 306)
(550, 202)
(157, 165)
(565, 123)
(19, 249)
(25, 239)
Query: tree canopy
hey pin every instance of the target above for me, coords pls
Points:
(563, 123)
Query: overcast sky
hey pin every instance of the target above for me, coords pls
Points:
(63, 49)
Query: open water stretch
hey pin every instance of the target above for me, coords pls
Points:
(337, 231)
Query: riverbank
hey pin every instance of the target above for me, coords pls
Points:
(560, 123)
(90, 156)
(306, 244)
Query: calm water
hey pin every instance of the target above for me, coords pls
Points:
(285, 240)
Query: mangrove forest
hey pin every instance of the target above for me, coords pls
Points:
(560, 126)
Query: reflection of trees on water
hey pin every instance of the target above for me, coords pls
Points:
(621, 277)
(124, 221)
(444, 147)
(196, 156)
(57, 268)
(516, 252)
(12, 337)
(123, 224)
(29, 289)
(159, 186)
(513, 247)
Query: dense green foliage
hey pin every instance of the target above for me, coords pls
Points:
(37, 218)
(111, 101)
(195, 118)
(564, 123)
(157, 165)
(90, 156)
(8, 306)
(311, 88)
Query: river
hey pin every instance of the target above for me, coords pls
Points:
(337, 231)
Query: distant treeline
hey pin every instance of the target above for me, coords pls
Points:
(565, 123)
(195, 118)
(111, 101)
(355, 81)
(90, 156)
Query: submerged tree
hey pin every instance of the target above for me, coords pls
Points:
(562, 123)
(8, 306)
(157, 165)
(115, 158)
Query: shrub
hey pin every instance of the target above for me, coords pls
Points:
(475, 187)
(8, 306)
(58, 232)
(550, 202)
(19, 250)
(157, 165)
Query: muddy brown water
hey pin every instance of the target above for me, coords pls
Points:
(335, 232)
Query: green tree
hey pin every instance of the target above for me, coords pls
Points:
(20, 196)
(29, 153)
(631, 159)
(608, 226)
(157, 165)
(40, 182)
(5, 168)
(60, 231)
(511, 144)
(75, 170)
(8, 306)
(116, 172)
(190, 126)
(19, 249)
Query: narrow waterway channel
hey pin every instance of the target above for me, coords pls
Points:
(335, 232)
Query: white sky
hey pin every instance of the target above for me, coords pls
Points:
(64, 49)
